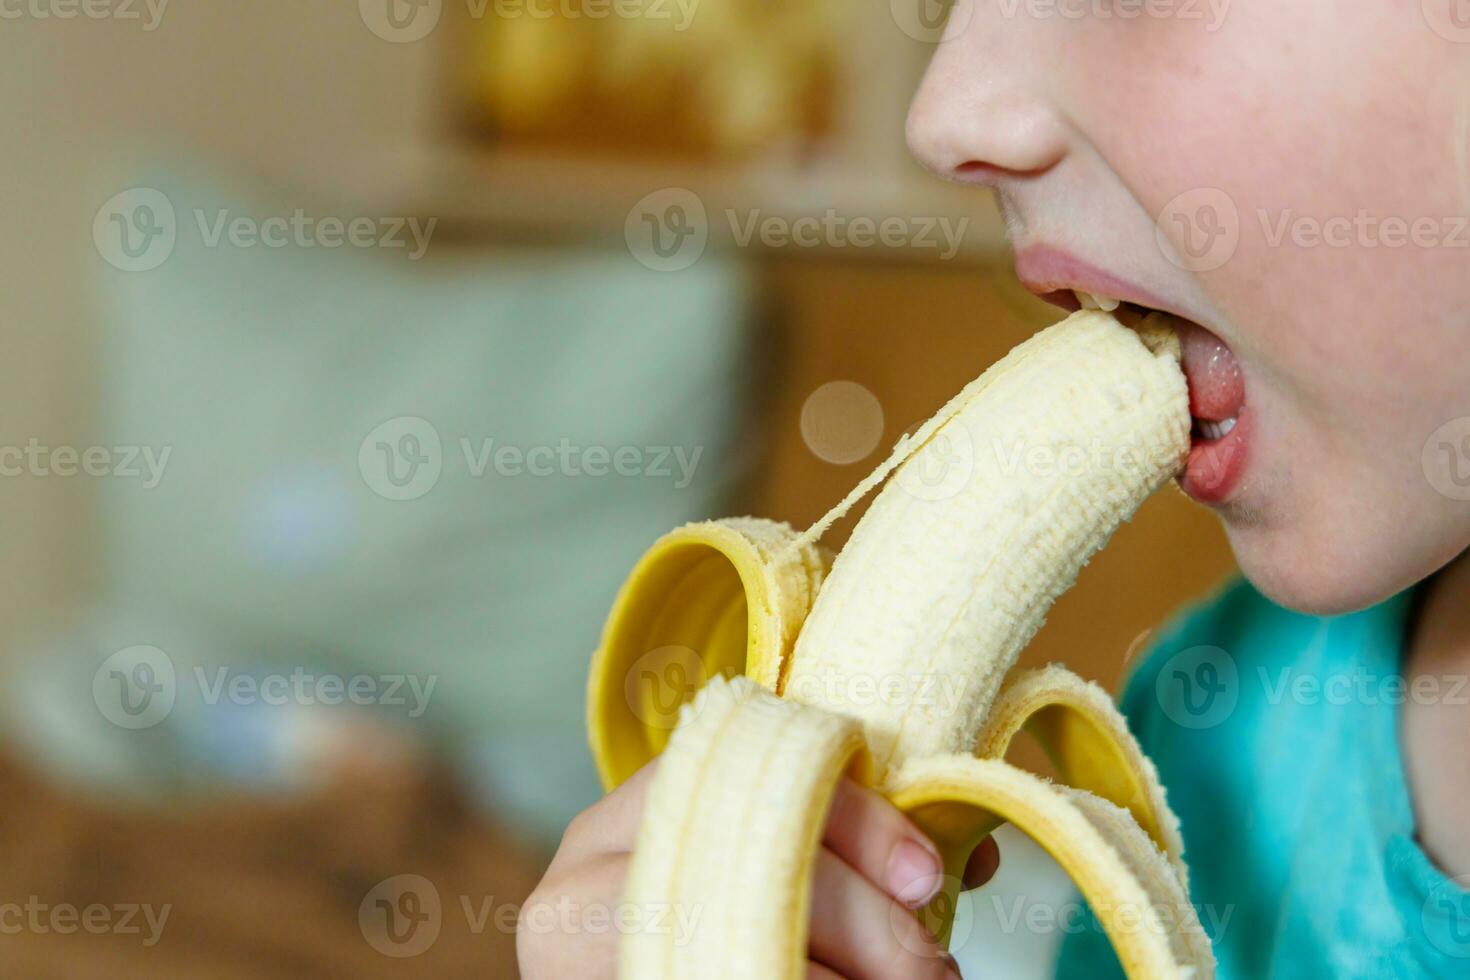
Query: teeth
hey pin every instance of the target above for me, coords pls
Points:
(1091, 301)
(1214, 431)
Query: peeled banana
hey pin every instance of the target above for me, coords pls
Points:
(763, 670)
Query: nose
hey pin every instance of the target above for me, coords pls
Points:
(979, 115)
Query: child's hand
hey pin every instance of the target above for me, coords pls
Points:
(874, 868)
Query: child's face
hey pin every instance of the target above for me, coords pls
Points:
(1320, 148)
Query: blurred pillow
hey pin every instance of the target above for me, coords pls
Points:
(439, 469)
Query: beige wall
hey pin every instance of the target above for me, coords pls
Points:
(297, 90)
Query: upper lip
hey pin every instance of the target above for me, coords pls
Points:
(1054, 274)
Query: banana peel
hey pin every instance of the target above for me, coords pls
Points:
(696, 663)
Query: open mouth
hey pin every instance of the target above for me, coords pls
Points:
(1219, 415)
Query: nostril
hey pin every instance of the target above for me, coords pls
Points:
(980, 172)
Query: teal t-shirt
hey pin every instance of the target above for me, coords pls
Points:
(1276, 736)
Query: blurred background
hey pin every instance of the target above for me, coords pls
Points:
(354, 352)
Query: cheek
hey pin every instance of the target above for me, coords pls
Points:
(1332, 147)
(1326, 147)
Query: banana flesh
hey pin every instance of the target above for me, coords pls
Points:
(1049, 451)
(892, 664)
(745, 886)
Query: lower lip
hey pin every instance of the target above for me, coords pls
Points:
(1215, 468)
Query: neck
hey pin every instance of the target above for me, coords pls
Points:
(1435, 722)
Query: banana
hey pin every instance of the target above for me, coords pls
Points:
(763, 670)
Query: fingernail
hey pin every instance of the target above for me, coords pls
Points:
(915, 874)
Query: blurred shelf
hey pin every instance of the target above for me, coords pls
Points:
(481, 193)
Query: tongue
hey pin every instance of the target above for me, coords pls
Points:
(1216, 389)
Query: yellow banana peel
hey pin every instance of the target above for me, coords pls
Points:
(763, 671)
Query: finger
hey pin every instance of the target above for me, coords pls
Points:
(863, 934)
(983, 864)
(610, 824)
(816, 971)
(869, 833)
(558, 935)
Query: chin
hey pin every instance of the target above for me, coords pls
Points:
(1301, 571)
